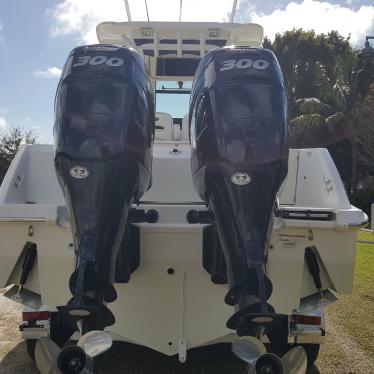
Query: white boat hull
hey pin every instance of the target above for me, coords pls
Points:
(170, 304)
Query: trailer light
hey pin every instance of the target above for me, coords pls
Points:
(307, 320)
(35, 316)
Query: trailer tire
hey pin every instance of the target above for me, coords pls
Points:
(30, 346)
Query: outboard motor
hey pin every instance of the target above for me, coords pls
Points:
(103, 134)
(238, 128)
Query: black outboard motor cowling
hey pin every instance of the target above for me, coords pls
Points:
(238, 128)
(103, 142)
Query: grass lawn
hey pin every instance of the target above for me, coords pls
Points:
(355, 313)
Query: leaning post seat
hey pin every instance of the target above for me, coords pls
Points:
(185, 128)
(163, 126)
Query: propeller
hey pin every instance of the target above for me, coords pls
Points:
(252, 351)
(46, 354)
(73, 359)
(295, 361)
(95, 342)
(248, 348)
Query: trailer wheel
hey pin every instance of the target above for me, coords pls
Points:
(30, 346)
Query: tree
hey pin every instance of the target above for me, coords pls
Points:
(10, 142)
(309, 63)
(363, 118)
(325, 79)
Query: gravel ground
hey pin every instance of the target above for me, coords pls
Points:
(341, 355)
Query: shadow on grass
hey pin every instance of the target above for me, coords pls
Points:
(17, 361)
(130, 359)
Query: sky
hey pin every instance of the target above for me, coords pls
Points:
(36, 37)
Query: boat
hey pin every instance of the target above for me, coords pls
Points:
(174, 231)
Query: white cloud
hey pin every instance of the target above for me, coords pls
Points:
(319, 16)
(3, 123)
(82, 16)
(2, 40)
(51, 72)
